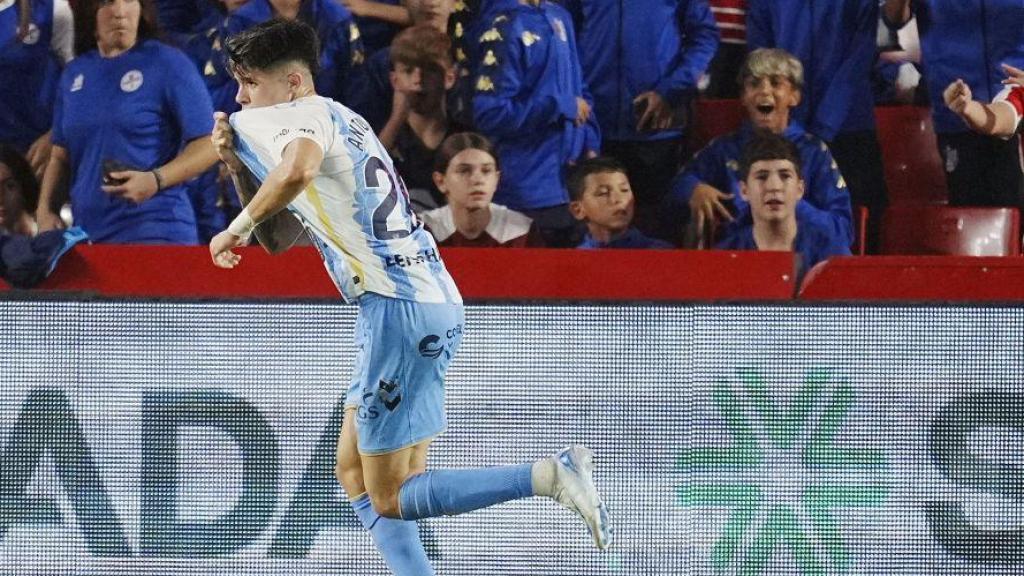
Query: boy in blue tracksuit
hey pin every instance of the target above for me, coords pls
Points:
(531, 101)
(835, 41)
(641, 60)
(969, 40)
(771, 82)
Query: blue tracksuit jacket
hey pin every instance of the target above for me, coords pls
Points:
(835, 41)
(526, 85)
(967, 39)
(628, 47)
(826, 201)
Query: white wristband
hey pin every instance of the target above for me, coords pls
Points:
(242, 225)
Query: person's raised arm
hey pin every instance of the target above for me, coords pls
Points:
(279, 232)
(300, 163)
(995, 119)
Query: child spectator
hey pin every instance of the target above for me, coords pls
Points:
(19, 194)
(376, 96)
(422, 75)
(467, 170)
(770, 82)
(602, 198)
(531, 101)
(836, 43)
(642, 62)
(772, 185)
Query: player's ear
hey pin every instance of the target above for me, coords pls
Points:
(294, 81)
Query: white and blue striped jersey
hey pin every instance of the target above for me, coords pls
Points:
(356, 210)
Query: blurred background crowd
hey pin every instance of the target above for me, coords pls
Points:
(572, 123)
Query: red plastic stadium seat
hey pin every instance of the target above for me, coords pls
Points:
(713, 118)
(951, 230)
(913, 167)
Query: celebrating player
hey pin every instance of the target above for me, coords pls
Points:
(290, 148)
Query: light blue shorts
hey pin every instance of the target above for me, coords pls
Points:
(397, 388)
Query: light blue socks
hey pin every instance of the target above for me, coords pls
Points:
(450, 492)
(397, 540)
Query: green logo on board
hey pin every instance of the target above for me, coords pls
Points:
(784, 475)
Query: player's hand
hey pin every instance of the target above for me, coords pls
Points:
(48, 220)
(223, 138)
(1014, 75)
(657, 113)
(582, 111)
(706, 206)
(39, 155)
(136, 187)
(220, 249)
(957, 96)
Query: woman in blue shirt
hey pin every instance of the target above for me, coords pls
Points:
(130, 126)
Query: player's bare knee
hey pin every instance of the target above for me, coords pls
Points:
(386, 504)
(350, 477)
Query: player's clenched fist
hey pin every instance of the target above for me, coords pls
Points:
(223, 138)
(957, 96)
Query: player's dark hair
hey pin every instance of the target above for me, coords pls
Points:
(271, 43)
(458, 142)
(22, 173)
(85, 24)
(577, 178)
(767, 145)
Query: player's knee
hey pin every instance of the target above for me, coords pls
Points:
(386, 504)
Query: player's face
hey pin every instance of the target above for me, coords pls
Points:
(470, 180)
(11, 203)
(607, 201)
(768, 100)
(433, 12)
(117, 25)
(259, 88)
(773, 189)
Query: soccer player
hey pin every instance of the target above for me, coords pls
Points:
(288, 147)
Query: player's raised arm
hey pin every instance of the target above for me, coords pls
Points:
(300, 163)
(280, 231)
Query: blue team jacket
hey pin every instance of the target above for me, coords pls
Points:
(811, 246)
(29, 73)
(826, 201)
(835, 41)
(968, 39)
(527, 82)
(628, 47)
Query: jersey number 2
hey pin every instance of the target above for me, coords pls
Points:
(390, 202)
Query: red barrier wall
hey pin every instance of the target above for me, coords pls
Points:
(524, 274)
(507, 274)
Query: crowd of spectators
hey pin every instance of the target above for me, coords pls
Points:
(521, 122)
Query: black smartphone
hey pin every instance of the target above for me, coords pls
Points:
(111, 165)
